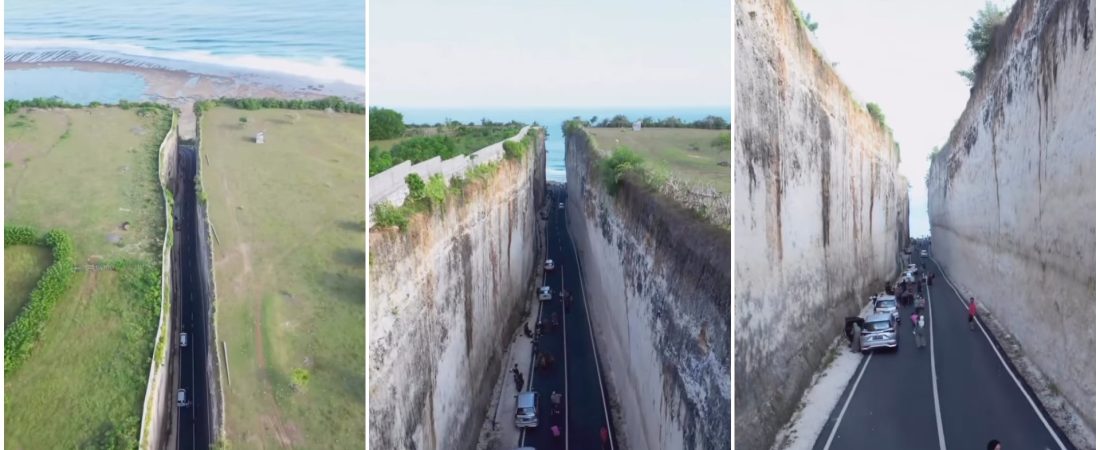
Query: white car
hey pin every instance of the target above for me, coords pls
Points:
(544, 294)
(911, 268)
(924, 253)
(183, 339)
(561, 205)
(181, 398)
(548, 265)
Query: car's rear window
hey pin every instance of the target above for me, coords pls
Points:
(877, 326)
(887, 304)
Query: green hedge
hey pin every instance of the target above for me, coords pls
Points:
(336, 103)
(21, 335)
(11, 106)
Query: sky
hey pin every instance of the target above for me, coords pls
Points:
(903, 55)
(543, 53)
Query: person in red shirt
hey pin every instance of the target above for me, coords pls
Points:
(973, 313)
(603, 437)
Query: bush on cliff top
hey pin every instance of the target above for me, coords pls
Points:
(979, 38)
(385, 123)
(621, 162)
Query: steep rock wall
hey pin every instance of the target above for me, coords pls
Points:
(1011, 197)
(445, 297)
(657, 280)
(821, 213)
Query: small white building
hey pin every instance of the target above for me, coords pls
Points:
(260, 137)
(637, 125)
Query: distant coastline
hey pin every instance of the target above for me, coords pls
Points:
(178, 82)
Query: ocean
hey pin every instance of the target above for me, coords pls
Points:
(319, 39)
(552, 119)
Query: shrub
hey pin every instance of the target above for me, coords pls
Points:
(300, 378)
(982, 26)
(416, 186)
(722, 141)
(21, 335)
(514, 149)
(621, 162)
(16, 235)
(388, 215)
(436, 190)
(876, 113)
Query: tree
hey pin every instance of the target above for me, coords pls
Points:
(982, 26)
(722, 142)
(385, 123)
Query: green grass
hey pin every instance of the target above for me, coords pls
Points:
(23, 266)
(670, 150)
(86, 171)
(290, 275)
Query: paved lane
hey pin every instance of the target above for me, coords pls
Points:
(894, 401)
(576, 372)
(193, 420)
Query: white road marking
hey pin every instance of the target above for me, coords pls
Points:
(1003, 363)
(935, 384)
(844, 408)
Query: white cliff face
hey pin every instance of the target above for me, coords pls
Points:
(1011, 197)
(821, 213)
(657, 285)
(445, 297)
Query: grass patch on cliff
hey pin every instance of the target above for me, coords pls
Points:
(446, 142)
(88, 172)
(290, 273)
(700, 156)
(23, 266)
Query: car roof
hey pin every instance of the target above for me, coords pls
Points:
(526, 399)
(878, 317)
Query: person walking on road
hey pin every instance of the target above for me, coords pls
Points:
(973, 314)
(918, 332)
(993, 445)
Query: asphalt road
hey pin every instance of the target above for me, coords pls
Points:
(575, 373)
(193, 422)
(957, 393)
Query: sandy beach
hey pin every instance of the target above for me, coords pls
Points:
(179, 87)
(182, 88)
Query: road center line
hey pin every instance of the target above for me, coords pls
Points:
(844, 408)
(1003, 362)
(935, 384)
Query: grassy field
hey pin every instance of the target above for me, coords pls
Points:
(290, 272)
(23, 265)
(87, 172)
(685, 153)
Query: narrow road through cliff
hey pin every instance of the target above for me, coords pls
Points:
(193, 420)
(959, 392)
(576, 370)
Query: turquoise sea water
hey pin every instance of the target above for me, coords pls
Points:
(321, 39)
(552, 119)
(74, 86)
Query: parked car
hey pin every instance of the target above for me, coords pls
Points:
(879, 330)
(924, 253)
(527, 409)
(548, 265)
(183, 339)
(887, 304)
(544, 294)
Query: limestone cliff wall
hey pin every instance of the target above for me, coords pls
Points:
(821, 213)
(445, 296)
(657, 280)
(1011, 197)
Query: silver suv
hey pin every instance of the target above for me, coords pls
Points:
(879, 330)
(527, 409)
(888, 304)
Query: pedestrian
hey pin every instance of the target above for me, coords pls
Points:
(556, 431)
(605, 437)
(519, 384)
(973, 316)
(918, 332)
(526, 330)
(993, 445)
(515, 370)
